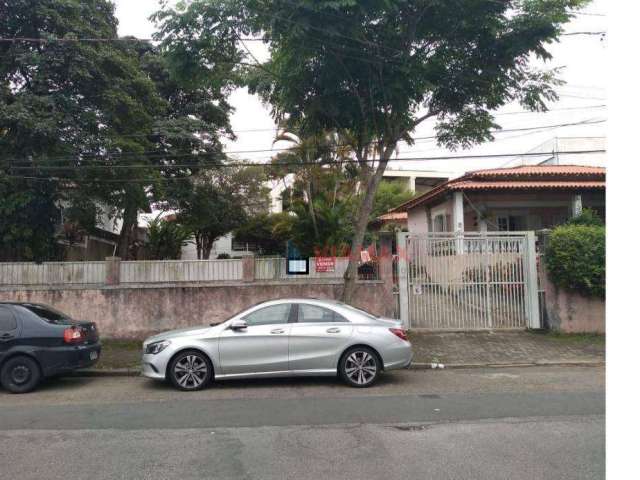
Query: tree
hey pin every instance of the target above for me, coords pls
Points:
(375, 70)
(389, 195)
(65, 105)
(28, 216)
(97, 121)
(220, 201)
(165, 239)
(262, 230)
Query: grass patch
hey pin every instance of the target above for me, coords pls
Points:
(559, 336)
(119, 354)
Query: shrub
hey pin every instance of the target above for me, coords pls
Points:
(587, 217)
(224, 256)
(575, 257)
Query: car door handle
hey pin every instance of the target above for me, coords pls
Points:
(277, 330)
(333, 330)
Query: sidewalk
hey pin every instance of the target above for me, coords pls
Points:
(471, 349)
(431, 350)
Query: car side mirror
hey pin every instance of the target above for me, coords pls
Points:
(238, 325)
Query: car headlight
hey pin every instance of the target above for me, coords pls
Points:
(157, 347)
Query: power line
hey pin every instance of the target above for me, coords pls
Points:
(209, 154)
(568, 34)
(346, 161)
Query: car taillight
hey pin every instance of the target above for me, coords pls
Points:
(74, 335)
(400, 333)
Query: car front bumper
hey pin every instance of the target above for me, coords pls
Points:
(155, 366)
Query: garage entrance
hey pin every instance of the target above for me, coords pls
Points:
(468, 280)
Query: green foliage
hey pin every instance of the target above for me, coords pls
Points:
(28, 216)
(266, 231)
(165, 239)
(75, 115)
(372, 71)
(389, 195)
(223, 256)
(209, 213)
(587, 217)
(575, 258)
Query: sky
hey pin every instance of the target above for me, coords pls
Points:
(582, 99)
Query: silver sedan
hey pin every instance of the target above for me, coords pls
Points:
(281, 338)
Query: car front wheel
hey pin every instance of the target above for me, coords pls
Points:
(360, 367)
(20, 374)
(190, 370)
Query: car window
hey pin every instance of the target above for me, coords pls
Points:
(315, 314)
(7, 320)
(357, 310)
(272, 315)
(48, 314)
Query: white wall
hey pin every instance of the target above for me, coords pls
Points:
(417, 220)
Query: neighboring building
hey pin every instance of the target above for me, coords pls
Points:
(588, 151)
(507, 199)
(391, 222)
(98, 244)
(418, 181)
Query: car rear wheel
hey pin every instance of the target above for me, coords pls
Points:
(190, 370)
(20, 374)
(360, 367)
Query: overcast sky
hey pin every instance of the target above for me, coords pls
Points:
(584, 69)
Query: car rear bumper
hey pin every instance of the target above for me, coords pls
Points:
(67, 359)
(400, 356)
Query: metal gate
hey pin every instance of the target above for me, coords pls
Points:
(468, 280)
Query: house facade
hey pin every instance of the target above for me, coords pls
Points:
(508, 199)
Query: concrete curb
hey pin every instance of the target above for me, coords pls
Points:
(134, 372)
(107, 372)
(544, 363)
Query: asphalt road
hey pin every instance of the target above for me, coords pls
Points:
(528, 423)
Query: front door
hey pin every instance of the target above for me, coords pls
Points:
(317, 339)
(263, 347)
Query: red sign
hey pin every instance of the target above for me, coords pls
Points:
(325, 264)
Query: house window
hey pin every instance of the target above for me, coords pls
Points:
(438, 223)
(511, 223)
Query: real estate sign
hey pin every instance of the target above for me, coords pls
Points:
(325, 264)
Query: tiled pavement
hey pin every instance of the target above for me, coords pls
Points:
(482, 348)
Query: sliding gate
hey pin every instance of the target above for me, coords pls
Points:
(468, 281)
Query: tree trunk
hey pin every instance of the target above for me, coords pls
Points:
(366, 207)
(199, 245)
(207, 245)
(312, 212)
(129, 221)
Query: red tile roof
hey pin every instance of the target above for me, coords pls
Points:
(510, 185)
(535, 177)
(392, 217)
(540, 170)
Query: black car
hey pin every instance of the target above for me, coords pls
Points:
(37, 341)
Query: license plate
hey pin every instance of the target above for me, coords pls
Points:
(93, 355)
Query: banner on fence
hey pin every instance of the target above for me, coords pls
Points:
(325, 264)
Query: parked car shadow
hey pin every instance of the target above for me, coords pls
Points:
(62, 383)
(275, 383)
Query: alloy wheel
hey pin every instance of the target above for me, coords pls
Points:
(190, 371)
(360, 367)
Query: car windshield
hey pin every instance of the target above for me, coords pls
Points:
(48, 314)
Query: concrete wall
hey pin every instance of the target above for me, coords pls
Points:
(417, 220)
(571, 312)
(136, 311)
